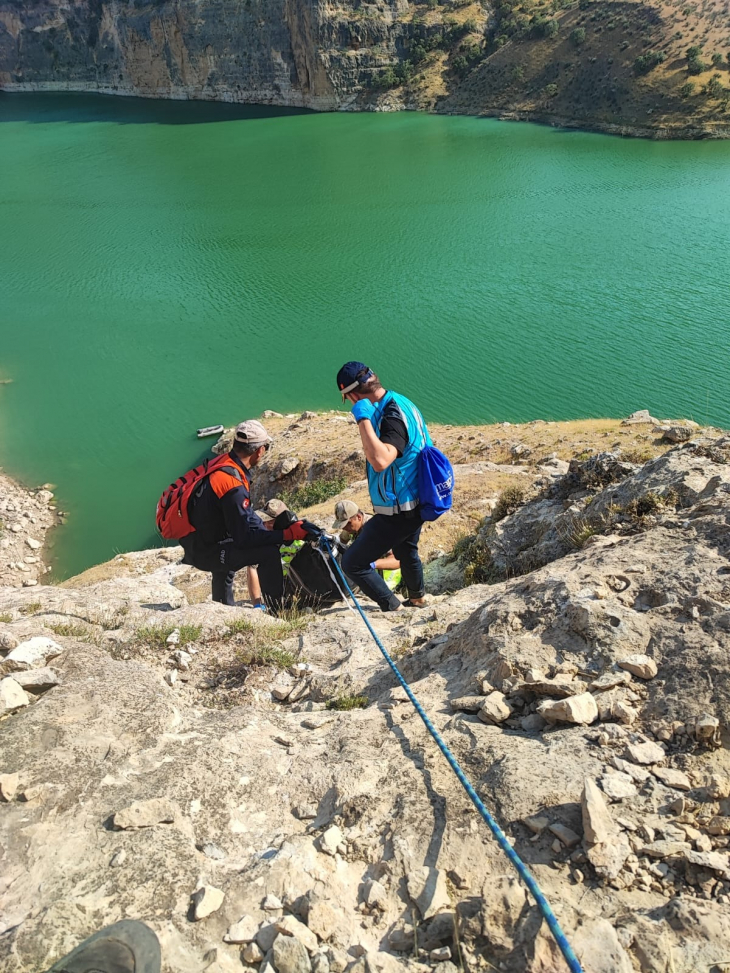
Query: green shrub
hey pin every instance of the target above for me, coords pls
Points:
(695, 64)
(6, 617)
(317, 491)
(266, 654)
(717, 60)
(386, 79)
(714, 87)
(551, 90)
(344, 703)
(507, 502)
(579, 532)
(638, 454)
(687, 89)
(578, 36)
(31, 608)
(80, 632)
(647, 62)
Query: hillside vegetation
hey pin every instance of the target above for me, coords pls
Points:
(594, 63)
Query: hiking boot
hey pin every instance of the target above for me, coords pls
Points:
(125, 947)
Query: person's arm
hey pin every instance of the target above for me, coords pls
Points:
(380, 455)
(387, 563)
(244, 526)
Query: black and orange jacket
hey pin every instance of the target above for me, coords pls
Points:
(221, 508)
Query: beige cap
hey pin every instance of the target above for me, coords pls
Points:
(272, 510)
(252, 433)
(344, 510)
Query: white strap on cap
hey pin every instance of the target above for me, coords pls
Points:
(350, 388)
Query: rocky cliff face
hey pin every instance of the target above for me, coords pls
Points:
(153, 749)
(306, 53)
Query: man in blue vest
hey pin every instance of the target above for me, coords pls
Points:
(393, 433)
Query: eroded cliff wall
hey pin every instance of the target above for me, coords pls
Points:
(287, 52)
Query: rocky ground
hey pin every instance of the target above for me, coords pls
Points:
(25, 517)
(262, 794)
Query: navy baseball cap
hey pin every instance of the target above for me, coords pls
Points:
(351, 375)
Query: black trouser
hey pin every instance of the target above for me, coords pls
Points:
(399, 533)
(225, 558)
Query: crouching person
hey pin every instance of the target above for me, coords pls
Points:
(349, 521)
(228, 535)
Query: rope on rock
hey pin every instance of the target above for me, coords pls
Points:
(522, 869)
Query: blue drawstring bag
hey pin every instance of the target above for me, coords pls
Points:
(435, 483)
(435, 477)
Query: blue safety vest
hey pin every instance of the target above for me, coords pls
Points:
(395, 490)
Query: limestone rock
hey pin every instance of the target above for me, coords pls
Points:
(290, 955)
(640, 417)
(503, 903)
(206, 900)
(12, 696)
(401, 937)
(596, 942)
(33, 544)
(575, 709)
(375, 895)
(607, 847)
(427, 887)
(37, 681)
(272, 903)
(322, 918)
(642, 666)
(282, 687)
(145, 814)
(665, 848)
(718, 787)
(710, 859)
(440, 954)
(675, 433)
(645, 753)
(610, 680)
(7, 641)
(32, 653)
(243, 931)
(252, 954)
(719, 825)
(618, 786)
(495, 708)
(565, 835)
(467, 704)
(672, 778)
(330, 840)
(536, 823)
(8, 786)
(291, 926)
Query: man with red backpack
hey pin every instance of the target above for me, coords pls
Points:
(210, 514)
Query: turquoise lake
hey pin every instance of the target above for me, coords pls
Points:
(167, 265)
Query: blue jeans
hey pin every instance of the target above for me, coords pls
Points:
(399, 533)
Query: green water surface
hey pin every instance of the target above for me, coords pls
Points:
(170, 265)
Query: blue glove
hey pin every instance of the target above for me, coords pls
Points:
(363, 409)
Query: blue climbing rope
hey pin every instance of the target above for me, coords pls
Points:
(522, 869)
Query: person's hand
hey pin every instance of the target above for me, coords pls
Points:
(363, 409)
(297, 532)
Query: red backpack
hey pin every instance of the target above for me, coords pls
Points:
(172, 517)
